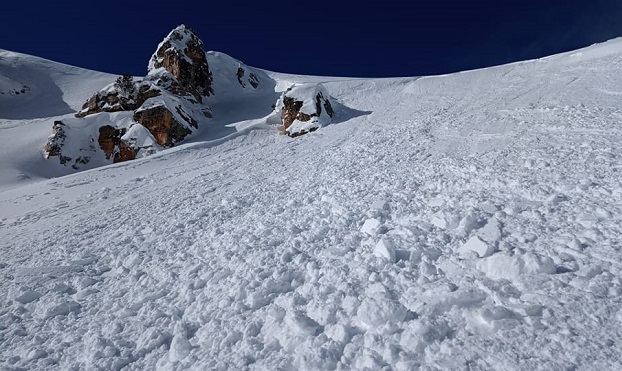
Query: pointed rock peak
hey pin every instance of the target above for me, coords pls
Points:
(182, 54)
(182, 40)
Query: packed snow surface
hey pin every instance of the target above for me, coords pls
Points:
(469, 221)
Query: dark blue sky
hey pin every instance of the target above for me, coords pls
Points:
(388, 38)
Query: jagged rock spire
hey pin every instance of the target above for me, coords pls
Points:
(182, 54)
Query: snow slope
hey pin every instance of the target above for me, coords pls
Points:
(51, 91)
(468, 221)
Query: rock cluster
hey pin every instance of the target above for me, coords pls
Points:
(252, 79)
(136, 116)
(115, 100)
(168, 102)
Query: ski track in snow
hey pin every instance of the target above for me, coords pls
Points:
(470, 221)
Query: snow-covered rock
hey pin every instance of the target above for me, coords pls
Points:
(168, 102)
(70, 145)
(304, 108)
(182, 54)
(126, 94)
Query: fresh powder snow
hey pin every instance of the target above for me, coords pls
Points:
(470, 221)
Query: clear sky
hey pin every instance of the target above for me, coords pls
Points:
(366, 39)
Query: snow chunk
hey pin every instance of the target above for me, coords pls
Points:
(378, 308)
(439, 222)
(468, 223)
(139, 137)
(445, 220)
(417, 336)
(28, 297)
(476, 245)
(491, 231)
(385, 248)
(62, 309)
(379, 205)
(300, 324)
(36, 354)
(180, 347)
(510, 267)
(371, 226)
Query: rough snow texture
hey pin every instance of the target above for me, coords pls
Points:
(246, 251)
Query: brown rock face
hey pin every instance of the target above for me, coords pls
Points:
(162, 125)
(109, 139)
(126, 152)
(113, 146)
(183, 54)
(290, 111)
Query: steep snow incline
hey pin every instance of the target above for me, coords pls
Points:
(467, 221)
(32, 87)
(236, 103)
(33, 93)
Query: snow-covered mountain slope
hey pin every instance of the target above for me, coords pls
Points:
(51, 91)
(468, 221)
(34, 93)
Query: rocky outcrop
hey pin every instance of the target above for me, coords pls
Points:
(163, 125)
(56, 147)
(112, 143)
(182, 54)
(304, 108)
(252, 79)
(114, 99)
(126, 152)
(55, 141)
(137, 116)
(152, 112)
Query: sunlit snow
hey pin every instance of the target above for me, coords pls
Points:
(468, 221)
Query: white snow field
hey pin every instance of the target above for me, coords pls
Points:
(471, 221)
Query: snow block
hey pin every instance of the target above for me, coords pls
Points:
(180, 348)
(474, 244)
(385, 248)
(439, 222)
(28, 296)
(371, 226)
(511, 267)
(491, 231)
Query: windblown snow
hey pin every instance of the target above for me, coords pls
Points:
(469, 221)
